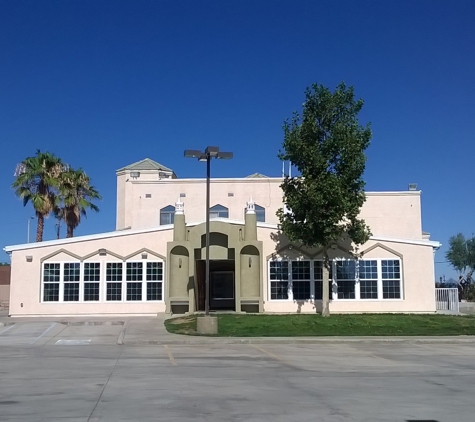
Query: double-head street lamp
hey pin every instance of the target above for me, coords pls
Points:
(207, 155)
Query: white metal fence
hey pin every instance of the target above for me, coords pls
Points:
(447, 299)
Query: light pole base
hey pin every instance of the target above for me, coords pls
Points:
(207, 325)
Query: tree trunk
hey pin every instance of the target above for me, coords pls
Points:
(70, 231)
(58, 228)
(325, 285)
(40, 227)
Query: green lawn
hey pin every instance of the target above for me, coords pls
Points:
(336, 325)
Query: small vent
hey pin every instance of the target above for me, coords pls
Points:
(148, 195)
(412, 186)
(182, 195)
(230, 194)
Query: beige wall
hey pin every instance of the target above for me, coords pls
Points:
(418, 286)
(25, 293)
(390, 214)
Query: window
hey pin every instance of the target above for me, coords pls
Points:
(218, 211)
(82, 282)
(134, 280)
(51, 279)
(373, 279)
(368, 275)
(92, 278)
(71, 277)
(318, 276)
(279, 279)
(346, 279)
(114, 281)
(167, 215)
(154, 280)
(391, 276)
(301, 280)
(260, 213)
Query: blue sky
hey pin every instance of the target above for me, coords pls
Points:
(103, 84)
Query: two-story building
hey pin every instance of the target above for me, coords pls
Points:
(155, 259)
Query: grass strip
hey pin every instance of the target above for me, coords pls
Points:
(244, 325)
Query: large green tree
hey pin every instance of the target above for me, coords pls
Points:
(461, 255)
(37, 179)
(327, 145)
(75, 197)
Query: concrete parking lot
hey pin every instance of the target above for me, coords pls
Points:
(55, 371)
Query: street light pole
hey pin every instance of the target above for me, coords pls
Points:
(207, 155)
(208, 173)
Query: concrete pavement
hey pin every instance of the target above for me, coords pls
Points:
(130, 331)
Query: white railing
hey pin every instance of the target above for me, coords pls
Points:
(447, 299)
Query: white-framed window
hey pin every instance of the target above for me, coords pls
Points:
(391, 278)
(279, 279)
(91, 281)
(51, 281)
(167, 215)
(365, 279)
(114, 281)
(290, 279)
(318, 280)
(134, 281)
(368, 278)
(346, 279)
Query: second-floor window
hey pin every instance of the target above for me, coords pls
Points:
(218, 211)
(167, 215)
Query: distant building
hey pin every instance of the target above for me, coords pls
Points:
(154, 261)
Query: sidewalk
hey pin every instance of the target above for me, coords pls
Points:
(151, 331)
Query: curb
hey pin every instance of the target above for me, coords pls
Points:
(299, 340)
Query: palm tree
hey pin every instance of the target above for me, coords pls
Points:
(76, 194)
(37, 179)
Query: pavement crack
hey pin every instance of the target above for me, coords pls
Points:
(105, 385)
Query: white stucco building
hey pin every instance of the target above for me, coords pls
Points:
(154, 261)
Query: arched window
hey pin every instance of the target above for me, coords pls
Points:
(218, 211)
(167, 215)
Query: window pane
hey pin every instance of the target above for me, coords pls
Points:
(390, 269)
(368, 270)
(114, 291)
(346, 289)
(51, 273)
(368, 289)
(279, 270)
(71, 271)
(91, 291)
(167, 218)
(92, 271)
(300, 270)
(114, 271)
(345, 270)
(301, 290)
(319, 289)
(154, 271)
(71, 292)
(134, 271)
(391, 289)
(154, 291)
(51, 292)
(279, 290)
(134, 291)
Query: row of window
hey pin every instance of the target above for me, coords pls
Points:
(95, 281)
(349, 279)
(167, 214)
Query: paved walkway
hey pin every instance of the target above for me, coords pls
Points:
(124, 330)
